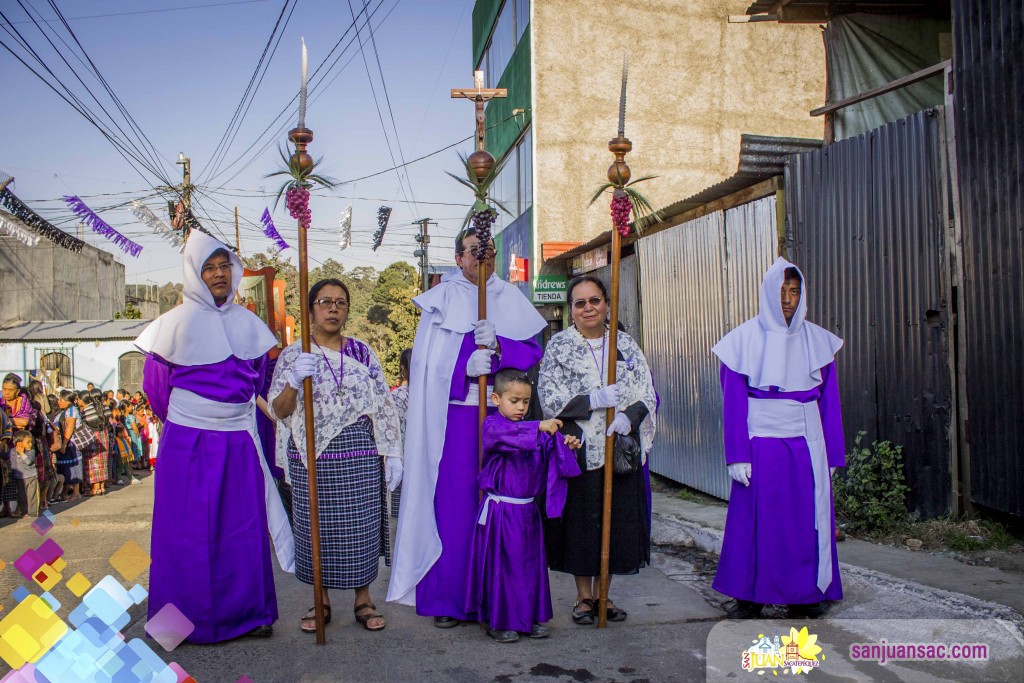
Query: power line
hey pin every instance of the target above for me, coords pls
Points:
(155, 11)
(222, 146)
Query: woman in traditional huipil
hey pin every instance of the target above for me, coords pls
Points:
(572, 388)
(214, 498)
(783, 431)
(358, 446)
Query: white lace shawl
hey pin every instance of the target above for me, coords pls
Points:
(401, 396)
(568, 370)
(364, 391)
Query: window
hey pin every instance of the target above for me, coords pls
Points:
(526, 171)
(513, 18)
(522, 18)
(129, 368)
(513, 186)
(57, 365)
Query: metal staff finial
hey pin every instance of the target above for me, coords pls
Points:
(622, 95)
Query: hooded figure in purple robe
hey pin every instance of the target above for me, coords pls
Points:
(783, 433)
(440, 493)
(215, 500)
(523, 459)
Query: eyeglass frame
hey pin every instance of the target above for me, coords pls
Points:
(594, 301)
(337, 304)
(214, 268)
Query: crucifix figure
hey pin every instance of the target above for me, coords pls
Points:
(480, 95)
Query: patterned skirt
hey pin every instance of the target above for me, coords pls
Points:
(96, 460)
(69, 464)
(353, 513)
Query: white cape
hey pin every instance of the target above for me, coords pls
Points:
(198, 332)
(448, 312)
(770, 352)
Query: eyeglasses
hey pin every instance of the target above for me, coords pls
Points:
(491, 253)
(326, 304)
(210, 270)
(594, 301)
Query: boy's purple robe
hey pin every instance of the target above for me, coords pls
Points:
(770, 550)
(508, 583)
(442, 590)
(211, 555)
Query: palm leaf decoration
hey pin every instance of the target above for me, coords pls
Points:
(479, 186)
(297, 176)
(644, 213)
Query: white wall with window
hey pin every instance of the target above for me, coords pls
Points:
(513, 18)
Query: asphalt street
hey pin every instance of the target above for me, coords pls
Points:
(672, 611)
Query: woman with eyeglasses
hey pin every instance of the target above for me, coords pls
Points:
(358, 445)
(215, 500)
(572, 388)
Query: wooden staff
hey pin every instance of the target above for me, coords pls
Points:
(302, 137)
(618, 173)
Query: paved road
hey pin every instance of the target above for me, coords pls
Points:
(671, 605)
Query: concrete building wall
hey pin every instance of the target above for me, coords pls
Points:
(96, 362)
(696, 82)
(48, 282)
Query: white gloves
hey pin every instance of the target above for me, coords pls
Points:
(620, 425)
(479, 363)
(484, 334)
(605, 397)
(393, 471)
(305, 366)
(740, 471)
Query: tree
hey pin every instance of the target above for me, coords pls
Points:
(130, 312)
(170, 296)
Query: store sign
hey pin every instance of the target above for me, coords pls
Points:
(550, 289)
(591, 260)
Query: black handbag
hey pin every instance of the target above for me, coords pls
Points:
(625, 454)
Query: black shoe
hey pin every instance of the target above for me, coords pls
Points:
(744, 609)
(502, 636)
(540, 631)
(445, 622)
(811, 611)
(264, 631)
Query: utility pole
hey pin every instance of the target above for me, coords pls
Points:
(424, 239)
(186, 190)
(238, 235)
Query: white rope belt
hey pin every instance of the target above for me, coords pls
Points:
(786, 419)
(499, 499)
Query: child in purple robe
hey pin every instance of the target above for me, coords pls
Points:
(508, 587)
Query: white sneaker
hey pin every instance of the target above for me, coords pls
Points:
(136, 481)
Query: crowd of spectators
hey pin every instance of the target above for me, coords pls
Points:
(58, 447)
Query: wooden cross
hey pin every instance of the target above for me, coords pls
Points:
(480, 95)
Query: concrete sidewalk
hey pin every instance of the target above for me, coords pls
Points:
(702, 525)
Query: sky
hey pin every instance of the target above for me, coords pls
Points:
(180, 68)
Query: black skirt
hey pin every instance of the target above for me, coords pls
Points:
(573, 542)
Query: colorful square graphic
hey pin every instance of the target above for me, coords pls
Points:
(29, 631)
(169, 627)
(78, 584)
(49, 551)
(130, 560)
(44, 522)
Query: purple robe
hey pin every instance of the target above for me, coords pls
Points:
(770, 551)
(210, 545)
(508, 587)
(442, 590)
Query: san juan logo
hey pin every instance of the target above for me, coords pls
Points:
(796, 653)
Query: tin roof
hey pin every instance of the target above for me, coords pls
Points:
(71, 330)
(761, 157)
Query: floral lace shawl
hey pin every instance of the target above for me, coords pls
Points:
(364, 391)
(568, 369)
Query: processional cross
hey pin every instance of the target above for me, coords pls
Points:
(480, 162)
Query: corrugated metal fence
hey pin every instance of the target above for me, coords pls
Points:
(698, 281)
(866, 222)
(989, 77)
